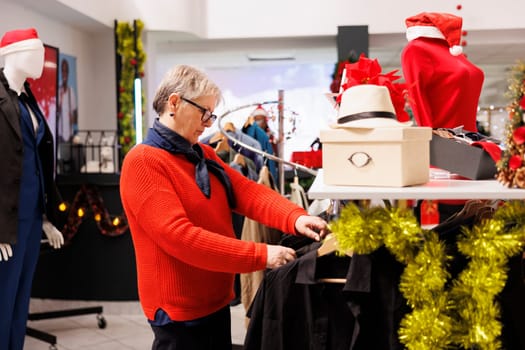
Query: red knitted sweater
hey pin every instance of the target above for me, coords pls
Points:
(185, 246)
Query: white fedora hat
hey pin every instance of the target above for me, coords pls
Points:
(367, 106)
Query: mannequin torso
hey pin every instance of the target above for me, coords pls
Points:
(19, 66)
(27, 186)
(443, 89)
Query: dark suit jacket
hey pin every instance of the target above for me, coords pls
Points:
(11, 148)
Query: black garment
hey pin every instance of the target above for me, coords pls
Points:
(238, 222)
(448, 232)
(209, 333)
(291, 310)
(295, 242)
(167, 139)
(12, 155)
(512, 301)
(512, 298)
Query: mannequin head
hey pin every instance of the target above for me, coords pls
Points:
(23, 54)
(28, 64)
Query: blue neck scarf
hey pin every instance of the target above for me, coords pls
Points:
(162, 137)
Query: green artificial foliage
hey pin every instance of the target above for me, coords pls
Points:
(511, 166)
(131, 66)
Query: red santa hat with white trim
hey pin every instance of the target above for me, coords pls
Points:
(19, 40)
(259, 110)
(436, 25)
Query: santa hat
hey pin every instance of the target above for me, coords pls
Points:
(19, 40)
(436, 25)
(259, 111)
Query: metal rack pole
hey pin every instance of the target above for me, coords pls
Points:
(280, 139)
(253, 149)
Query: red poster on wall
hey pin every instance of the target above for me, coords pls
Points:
(45, 88)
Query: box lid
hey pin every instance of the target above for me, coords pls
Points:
(410, 133)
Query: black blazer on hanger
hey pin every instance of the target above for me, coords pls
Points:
(293, 311)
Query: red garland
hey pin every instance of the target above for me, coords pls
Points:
(89, 197)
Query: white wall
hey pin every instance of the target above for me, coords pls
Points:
(95, 61)
(181, 15)
(215, 19)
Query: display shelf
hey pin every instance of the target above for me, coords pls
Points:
(434, 189)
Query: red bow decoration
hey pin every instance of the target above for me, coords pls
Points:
(368, 71)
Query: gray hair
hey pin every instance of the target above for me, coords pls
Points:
(185, 81)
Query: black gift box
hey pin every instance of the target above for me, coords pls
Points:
(460, 158)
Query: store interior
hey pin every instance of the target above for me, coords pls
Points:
(256, 53)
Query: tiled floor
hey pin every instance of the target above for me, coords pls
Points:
(126, 327)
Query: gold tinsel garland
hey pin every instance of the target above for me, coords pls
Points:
(488, 246)
(132, 62)
(465, 314)
(511, 167)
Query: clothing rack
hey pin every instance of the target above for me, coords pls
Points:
(266, 155)
(51, 339)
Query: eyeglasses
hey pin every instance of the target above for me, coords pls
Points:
(206, 114)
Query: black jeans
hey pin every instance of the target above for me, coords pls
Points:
(212, 332)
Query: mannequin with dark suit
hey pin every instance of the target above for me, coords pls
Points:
(27, 183)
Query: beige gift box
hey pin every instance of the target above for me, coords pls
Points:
(390, 156)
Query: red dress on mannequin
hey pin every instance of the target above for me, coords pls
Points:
(443, 89)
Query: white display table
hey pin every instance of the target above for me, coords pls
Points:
(434, 189)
